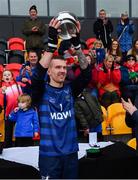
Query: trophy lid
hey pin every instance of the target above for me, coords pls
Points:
(68, 24)
(66, 15)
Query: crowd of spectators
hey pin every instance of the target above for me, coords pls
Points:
(114, 75)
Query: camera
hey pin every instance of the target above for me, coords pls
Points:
(27, 63)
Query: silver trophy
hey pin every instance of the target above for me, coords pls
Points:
(68, 26)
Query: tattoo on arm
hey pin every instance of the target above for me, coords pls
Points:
(82, 59)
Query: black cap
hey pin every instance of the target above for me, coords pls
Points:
(128, 57)
(33, 7)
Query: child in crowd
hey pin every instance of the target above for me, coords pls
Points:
(27, 123)
(9, 92)
(98, 51)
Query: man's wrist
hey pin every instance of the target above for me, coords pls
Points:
(77, 47)
(50, 49)
(133, 110)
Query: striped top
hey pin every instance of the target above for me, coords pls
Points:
(57, 122)
(58, 134)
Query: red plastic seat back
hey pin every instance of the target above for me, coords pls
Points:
(1, 71)
(16, 43)
(15, 68)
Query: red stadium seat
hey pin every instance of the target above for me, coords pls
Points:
(14, 67)
(1, 71)
(16, 43)
(16, 56)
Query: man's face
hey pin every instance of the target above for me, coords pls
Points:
(33, 14)
(33, 58)
(57, 72)
(102, 15)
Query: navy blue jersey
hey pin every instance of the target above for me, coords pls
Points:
(57, 122)
(58, 134)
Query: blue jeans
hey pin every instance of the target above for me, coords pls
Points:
(59, 167)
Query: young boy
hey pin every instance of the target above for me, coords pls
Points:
(27, 124)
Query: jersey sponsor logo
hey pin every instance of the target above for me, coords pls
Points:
(60, 115)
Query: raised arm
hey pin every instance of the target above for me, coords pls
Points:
(76, 42)
(52, 43)
(83, 79)
(39, 76)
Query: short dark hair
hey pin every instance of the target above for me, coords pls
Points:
(130, 56)
(33, 7)
(31, 51)
(58, 57)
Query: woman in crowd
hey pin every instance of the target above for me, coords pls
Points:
(109, 77)
(134, 50)
(115, 51)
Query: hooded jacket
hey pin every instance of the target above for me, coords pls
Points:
(88, 110)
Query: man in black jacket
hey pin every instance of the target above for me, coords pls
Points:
(103, 28)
